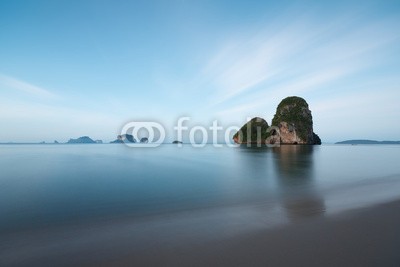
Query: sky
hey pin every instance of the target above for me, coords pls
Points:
(75, 68)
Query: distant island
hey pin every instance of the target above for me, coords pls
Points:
(124, 138)
(293, 119)
(82, 140)
(177, 142)
(144, 140)
(367, 142)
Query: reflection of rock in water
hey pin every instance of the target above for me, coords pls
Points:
(296, 181)
(255, 160)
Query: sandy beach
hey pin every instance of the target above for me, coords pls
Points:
(361, 237)
(364, 237)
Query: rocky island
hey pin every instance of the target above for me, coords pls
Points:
(293, 125)
(124, 138)
(144, 140)
(81, 140)
(251, 130)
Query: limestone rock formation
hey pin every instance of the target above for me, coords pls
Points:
(294, 120)
(317, 140)
(254, 131)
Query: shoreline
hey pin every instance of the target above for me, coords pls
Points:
(360, 237)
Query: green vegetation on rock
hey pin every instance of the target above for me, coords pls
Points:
(254, 131)
(294, 110)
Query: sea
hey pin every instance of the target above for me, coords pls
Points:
(60, 201)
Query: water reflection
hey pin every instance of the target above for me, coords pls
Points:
(289, 171)
(254, 161)
(295, 177)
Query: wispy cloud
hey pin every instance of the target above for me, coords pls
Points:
(298, 86)
(295, 60)
(23, 86)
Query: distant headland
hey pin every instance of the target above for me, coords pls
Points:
(367, 142)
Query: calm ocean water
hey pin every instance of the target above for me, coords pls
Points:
(171, 194)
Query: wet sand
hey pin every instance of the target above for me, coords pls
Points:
(360, 237)
(363, 237)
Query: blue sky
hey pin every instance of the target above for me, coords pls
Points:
(73, 68)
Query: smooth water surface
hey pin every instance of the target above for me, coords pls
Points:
(172, 194)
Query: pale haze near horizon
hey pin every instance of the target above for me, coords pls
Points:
(69, 69)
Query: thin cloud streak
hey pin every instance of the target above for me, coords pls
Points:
(25, 87)
(294, 60)
(300, 86)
